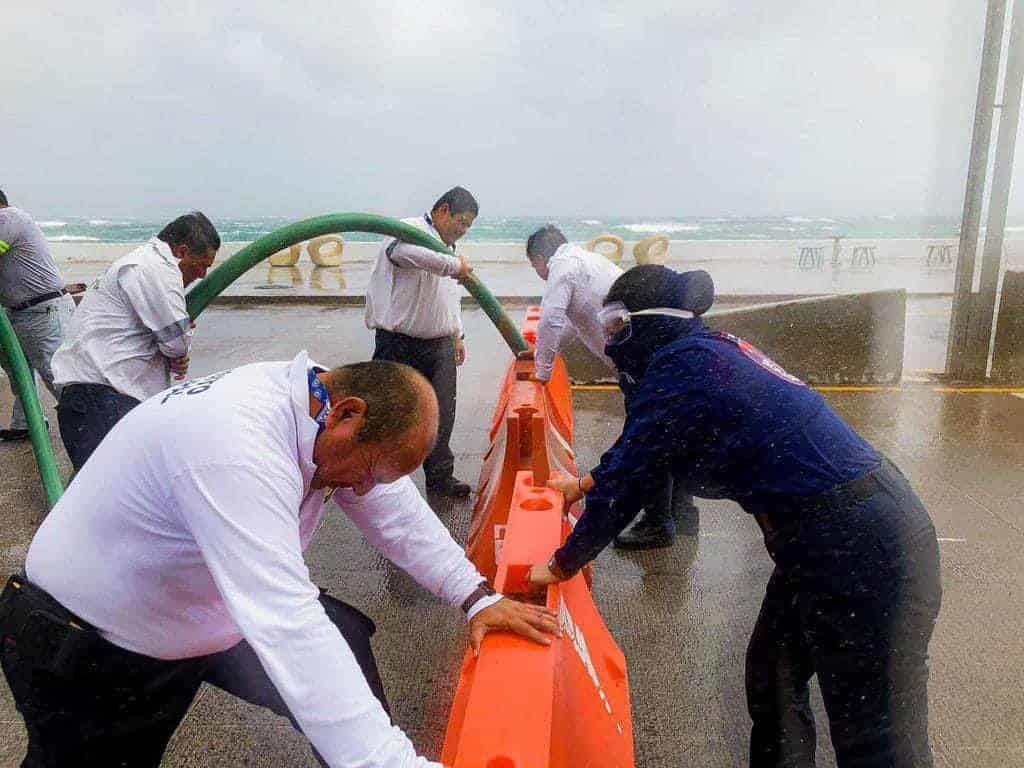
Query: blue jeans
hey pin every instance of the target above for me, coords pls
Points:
(854, 599)
(86, 413)
(40, 331)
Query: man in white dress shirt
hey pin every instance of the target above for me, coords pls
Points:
(413, 306)
(131, 333)
(176, 556)
(577, 283)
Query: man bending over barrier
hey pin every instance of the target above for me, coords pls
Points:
(176, 557)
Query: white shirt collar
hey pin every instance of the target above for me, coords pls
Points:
(563, 252)
(164, 250)
(430, 223)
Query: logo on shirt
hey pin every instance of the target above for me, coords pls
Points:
(194, 387)
(753, 353)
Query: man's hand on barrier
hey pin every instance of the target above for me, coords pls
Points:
(534, 622)
(540, 576)
(527, 354)
(573, 488)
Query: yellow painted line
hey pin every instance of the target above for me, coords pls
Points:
(856, 389)
(1017, 391)
(976, 390)
(614, 388)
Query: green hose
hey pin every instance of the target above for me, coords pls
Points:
(25, 387)
(213, 285)
(493, 310)
(291, 235)
(285, 237)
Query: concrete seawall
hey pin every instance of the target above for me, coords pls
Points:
(921, 267)
(687, 251)
(839, 340)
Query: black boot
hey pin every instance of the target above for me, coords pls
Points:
(13, 435)
(449, 486)
(686, 514)
(644, 533)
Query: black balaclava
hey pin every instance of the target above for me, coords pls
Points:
(646, 287)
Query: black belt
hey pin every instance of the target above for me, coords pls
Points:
(415, 339)
(38, 300)
(48, 636)
(785, 509)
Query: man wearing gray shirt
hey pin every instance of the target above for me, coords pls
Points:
(33, 295)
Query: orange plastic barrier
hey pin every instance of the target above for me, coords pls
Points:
(519, 704)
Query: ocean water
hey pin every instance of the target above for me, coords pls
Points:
(517, 229)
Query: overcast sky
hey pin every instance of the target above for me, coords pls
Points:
(672, 108)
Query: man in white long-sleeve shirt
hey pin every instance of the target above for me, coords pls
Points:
(577, 283)
(413, 306)
(130, 333)
(176, 556)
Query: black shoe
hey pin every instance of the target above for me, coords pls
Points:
(642, 534)
(687, 517)
(13, 435)
(449, 486)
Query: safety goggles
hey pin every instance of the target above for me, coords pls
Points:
(616, 320)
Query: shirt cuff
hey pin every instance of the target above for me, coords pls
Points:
(484, 602)
(560, 571)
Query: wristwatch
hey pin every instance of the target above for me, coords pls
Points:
(483, 590)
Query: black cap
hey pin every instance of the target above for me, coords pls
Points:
(653, 285)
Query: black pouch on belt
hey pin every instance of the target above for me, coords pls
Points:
(44, 633)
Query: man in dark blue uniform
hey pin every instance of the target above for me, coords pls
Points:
(856, 588)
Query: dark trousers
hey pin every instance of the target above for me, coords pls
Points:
(435, 359)
(86, 413)
(117, 709)
(854, 599)
(671, 508)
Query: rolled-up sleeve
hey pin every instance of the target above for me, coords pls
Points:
(417, 257)
(160, 307)
(666, 425)
(245, 523)
(554, 322)
(399, 523)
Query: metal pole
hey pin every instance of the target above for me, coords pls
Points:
(975, 192)
(980, 330)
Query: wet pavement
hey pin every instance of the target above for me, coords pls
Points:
(681, 616)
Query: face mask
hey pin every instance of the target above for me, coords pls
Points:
(648, 331)
(617, 321)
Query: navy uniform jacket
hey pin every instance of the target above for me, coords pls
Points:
(729, 423)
